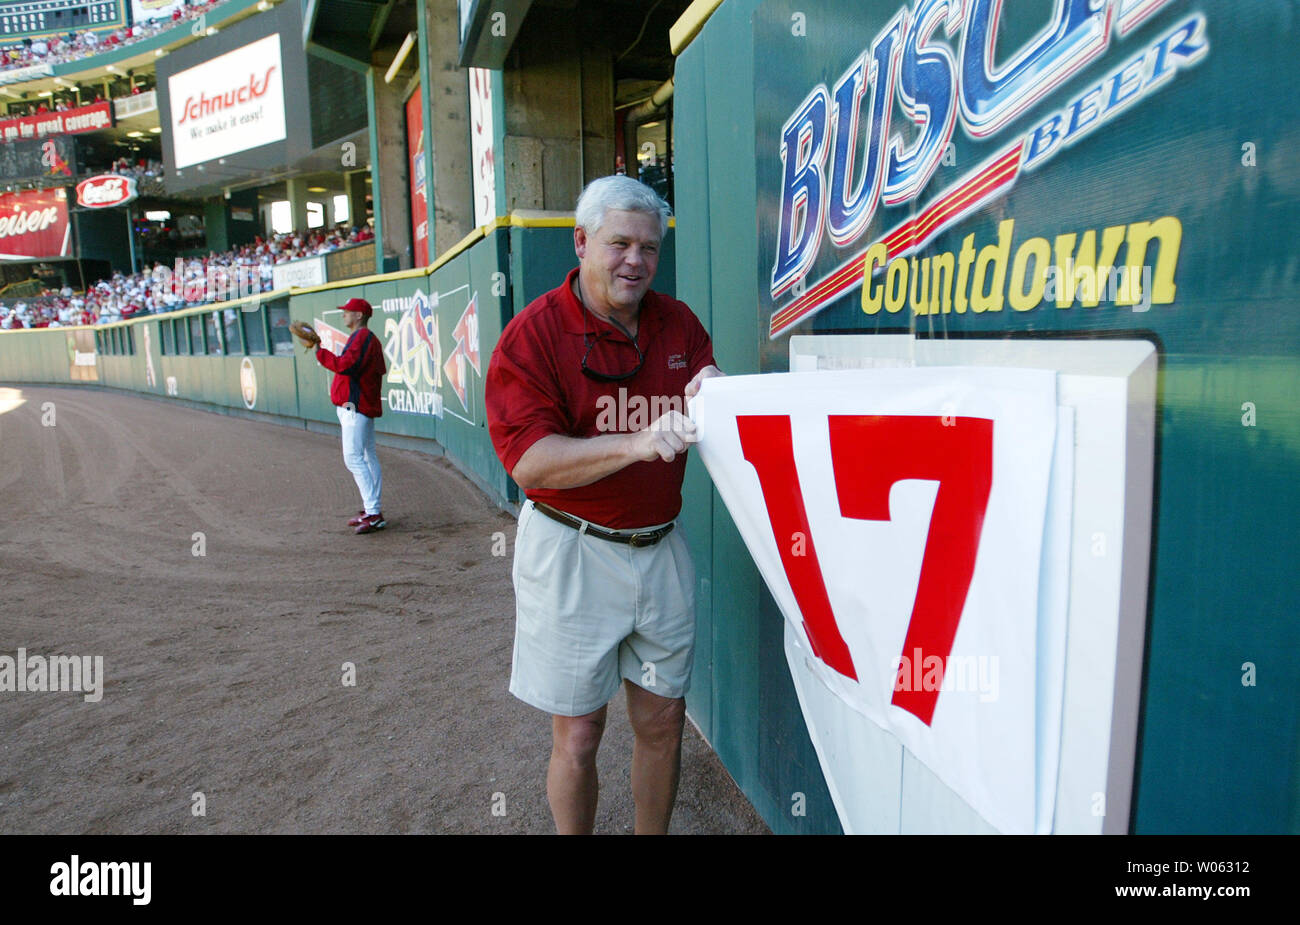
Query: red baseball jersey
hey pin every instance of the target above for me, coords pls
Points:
(358, 372)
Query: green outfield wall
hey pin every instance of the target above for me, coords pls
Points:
(438, 326)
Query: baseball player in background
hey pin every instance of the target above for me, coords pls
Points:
(358, 373)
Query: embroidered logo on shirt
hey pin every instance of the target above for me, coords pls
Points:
(676, 361)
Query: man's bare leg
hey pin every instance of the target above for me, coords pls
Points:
(571, 783)
(656, 756)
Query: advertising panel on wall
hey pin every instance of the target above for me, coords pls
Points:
(221, 102)
(419, 190)
(309, 271)
(145, 10)
(24, 74)
(849, 183)
(431, 341)
(105, 191)
(51, 158)
(70, 122)
(349, 262)
(482, 145)
(83, 359)
(34, 223)
(232, 103)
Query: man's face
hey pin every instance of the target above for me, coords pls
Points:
(352, 320)
(618, 262)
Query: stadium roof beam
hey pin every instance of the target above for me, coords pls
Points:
(482, 43)
(346, 27)
(393, 69)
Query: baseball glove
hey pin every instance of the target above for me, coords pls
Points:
(305, 333)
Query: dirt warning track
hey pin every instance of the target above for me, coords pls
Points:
(206, 559)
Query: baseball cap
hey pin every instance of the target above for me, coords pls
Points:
(357, 305)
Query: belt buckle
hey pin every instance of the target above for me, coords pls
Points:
(639, 540)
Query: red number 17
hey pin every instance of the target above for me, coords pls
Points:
(869, 453)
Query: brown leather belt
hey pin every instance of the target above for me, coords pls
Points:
(638, 540)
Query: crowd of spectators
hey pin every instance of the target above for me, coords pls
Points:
(147, 172)
(69, 100)
(142, 167)
(75, 45)
(213, 278)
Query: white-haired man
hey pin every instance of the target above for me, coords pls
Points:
(604, 586)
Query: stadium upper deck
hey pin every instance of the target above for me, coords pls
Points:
(84, 92)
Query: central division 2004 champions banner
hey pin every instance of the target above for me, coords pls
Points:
(898, 518)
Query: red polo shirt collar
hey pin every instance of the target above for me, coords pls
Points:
(578, 320)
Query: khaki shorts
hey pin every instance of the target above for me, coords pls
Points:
(590, 613)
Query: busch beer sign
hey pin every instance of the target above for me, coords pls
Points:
(105, 191)
(870, 174)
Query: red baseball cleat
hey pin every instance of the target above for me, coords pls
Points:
(372, 523)
(357, 521)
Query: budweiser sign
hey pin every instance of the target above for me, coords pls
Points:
(34, 224)
(105, 190)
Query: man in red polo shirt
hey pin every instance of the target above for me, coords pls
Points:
(358, 373)
(585, 402)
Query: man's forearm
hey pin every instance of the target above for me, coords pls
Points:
(557, 461)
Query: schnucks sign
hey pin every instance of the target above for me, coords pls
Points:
(889, 134)
(70, 122)
(228, 104)
(34, 224)
(105, 191)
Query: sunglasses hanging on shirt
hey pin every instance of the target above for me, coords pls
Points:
(589, 343)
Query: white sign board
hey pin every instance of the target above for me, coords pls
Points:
(482, 149)
(228, 104)
(1090, 575)
(898, 517)
(309, 271)
(145, 10)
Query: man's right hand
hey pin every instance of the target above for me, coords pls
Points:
(666, 437)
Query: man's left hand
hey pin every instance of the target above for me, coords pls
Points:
(708, 372)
